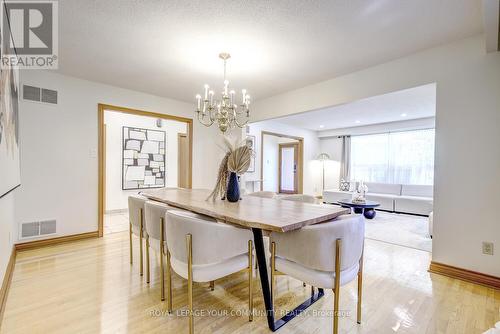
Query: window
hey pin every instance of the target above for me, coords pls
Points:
(397, 157)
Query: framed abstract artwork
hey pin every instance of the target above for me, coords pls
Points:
(143, 158)
(10, 172)
(251, 144)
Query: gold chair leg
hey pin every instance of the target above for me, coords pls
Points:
(273, 269)
(336, 290)
(189, 246)
(360, 288)
(212, 285)
(130, 239)
(141, 225)
(250, 280)
(169, 283)
(148, 274)
(162, 269)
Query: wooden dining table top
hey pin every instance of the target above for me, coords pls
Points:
(268, 214)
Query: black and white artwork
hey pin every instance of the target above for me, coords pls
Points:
(250, 140)
(10, 172)
(143, 158)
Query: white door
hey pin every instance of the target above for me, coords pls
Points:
(288, 178)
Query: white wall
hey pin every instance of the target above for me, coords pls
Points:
(6, 231)
(116, 198)
(467, 138)
(312, 168)
(59, 146)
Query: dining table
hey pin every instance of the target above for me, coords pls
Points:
(261, 215)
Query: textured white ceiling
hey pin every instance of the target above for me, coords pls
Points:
(170, 48)
(413, 103)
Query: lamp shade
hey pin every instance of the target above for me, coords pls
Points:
(323, 157)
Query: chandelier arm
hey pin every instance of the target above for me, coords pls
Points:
(235, 118)
(241, 125)
(207, 124)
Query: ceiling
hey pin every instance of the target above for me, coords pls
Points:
(170, 48)
(413, 103)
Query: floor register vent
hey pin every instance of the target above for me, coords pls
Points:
(36, 229)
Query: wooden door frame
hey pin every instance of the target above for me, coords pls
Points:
(295, 158)
(101, 187)
(300, 168)
(179, 135)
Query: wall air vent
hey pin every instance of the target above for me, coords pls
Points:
(49, 96)
(37, 229)
(36, 94)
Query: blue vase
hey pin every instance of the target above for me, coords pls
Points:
(233, 189)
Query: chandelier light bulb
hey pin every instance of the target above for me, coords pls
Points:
(243, 95)
(231, 95)
(206, 92)
(211, 99)
(198, 102)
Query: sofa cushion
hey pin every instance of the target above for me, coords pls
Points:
(417, 190)
(386, 201)
(415, 198)
(413, 204)
(383, 188)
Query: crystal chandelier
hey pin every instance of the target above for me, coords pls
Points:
(225, 111)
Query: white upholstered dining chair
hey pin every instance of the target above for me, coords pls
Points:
(325, 255)
(203, 250)
(264, 194)
(156, 237)
(136, 225)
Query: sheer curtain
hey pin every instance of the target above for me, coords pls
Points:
(345, 159)
(398, 157)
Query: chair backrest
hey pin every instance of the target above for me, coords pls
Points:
(135, 204)
(213, 242)
(265, 194)
(313, 246)
(153, 213)
(299, 198)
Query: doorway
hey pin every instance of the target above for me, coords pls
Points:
(138, 150)
(288, 178)
(281, 163)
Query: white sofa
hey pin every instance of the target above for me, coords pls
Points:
(383, 193)
(414, 199)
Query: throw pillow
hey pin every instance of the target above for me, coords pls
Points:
(344, 185)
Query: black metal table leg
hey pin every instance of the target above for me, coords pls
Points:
(266, 289)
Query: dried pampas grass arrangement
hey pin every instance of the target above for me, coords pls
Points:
(239, 160)
(236, 160)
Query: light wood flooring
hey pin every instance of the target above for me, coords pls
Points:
(90, 287)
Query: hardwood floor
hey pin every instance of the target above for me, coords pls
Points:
(90, 287)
